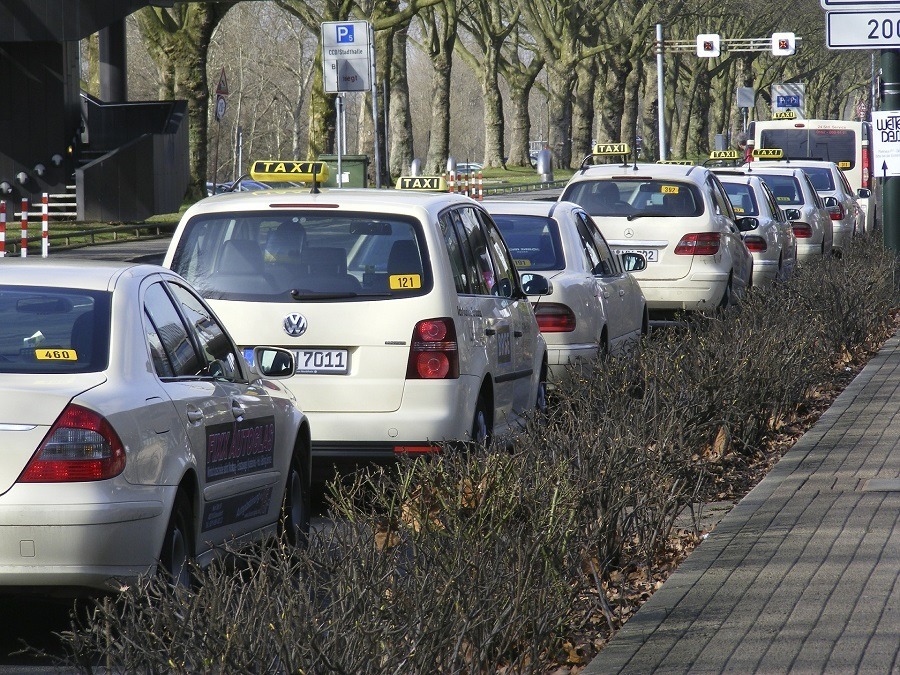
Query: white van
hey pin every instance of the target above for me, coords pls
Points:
(404, 309)
(847, 144)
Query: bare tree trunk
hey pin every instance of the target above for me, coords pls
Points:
(439, 133)
(583, 107)
(400, 120)
(494, 127)
(561, 81)
(629, 129)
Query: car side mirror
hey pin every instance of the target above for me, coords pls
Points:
(633, 262)
(274, 362)
(747, 223)
(792, 214)
(864, 193)
(535, 284)
(831, 202)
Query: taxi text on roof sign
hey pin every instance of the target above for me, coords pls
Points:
(785, 115)
(768, 153)
(612, 149)
(681, 162)
(274, 171)
(436, 183)
(724, 154)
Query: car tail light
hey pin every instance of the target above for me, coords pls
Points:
(866, 176)
(836, 212)
(416, 449)
(698, 243)
(434, 353)
(801, 230)
(554, 317)
(81, 446)
(755, 244)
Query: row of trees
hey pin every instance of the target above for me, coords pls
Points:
(480, 79)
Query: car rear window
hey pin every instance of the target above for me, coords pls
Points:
(311, 255)
(532, 240)
(53, 330)
(785, 188)
(821, 178)
(636, 197)
(833, 145)
(742, 199)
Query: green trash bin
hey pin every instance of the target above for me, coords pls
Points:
(354, 167)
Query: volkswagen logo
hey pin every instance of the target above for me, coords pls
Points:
(629, 233)
(295, 324)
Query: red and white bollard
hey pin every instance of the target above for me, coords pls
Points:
(3, 229)
(23, 248)
(480, 186)
(45, 225)
(451, 184)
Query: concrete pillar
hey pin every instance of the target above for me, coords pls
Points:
(113, 71)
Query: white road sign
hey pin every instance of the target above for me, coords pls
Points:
(871, 29)
(346, 56)
(857, 5)
(886, 142)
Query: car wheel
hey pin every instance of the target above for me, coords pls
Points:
(178, 544)
(481, 422)
(725, 303)
(295, 506)
(541, 404)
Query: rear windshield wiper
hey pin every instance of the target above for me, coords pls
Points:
(632, 216)
(341, 295)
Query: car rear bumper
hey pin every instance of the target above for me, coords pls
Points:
(78, 545)
(765, 272)
(808, 250)
(843, 234)
(697, 292)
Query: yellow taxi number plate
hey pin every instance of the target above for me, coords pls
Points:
(404, 282)
(55, 355)
(844, 165)
(669, 189)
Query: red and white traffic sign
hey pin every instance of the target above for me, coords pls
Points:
(222, 87)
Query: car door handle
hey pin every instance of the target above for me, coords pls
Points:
(517, 333)
(605, 294)
(621, 293)
(237, 410)
(490, 331)
(194, 415)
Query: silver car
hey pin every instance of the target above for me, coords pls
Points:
(134, 433)
(765, 229)
(798, 199)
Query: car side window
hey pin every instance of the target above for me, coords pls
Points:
(455, 254)
(610, 259)
(475, 252)
(595, 260)
(812, 189)
(220, 356)
(507, 280)
(171, 348)
(777, 213)
(723, 204)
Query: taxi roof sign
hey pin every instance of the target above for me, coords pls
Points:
(612, 149)
(784, 115)
(432, 183)
(680, 162)
(768, 153)
(274, 171)
(724, 154)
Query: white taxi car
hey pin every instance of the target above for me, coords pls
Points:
(133, 431)
(798, 199)
(594, 305)
(766, 230)
(679, 218)
(404, 309)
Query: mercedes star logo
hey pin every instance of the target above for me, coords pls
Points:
(295, 324)
(629, 232)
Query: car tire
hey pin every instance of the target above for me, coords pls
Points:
(725, 302)
(542, 404)
(481, 421)
(177, 551)
(296, 505)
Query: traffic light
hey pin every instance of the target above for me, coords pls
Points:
(708, 44)
(783, 44)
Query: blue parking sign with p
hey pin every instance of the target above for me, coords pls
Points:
(344, 32)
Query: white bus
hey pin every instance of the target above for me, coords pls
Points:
(847, 144)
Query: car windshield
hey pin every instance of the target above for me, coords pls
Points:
(833, 145)
(742, 199)
(821, 178)
(635, 197)
(532, 240)
(46, 330)
(785, 188)
(314, 255)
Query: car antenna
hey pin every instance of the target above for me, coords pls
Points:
(315, 174)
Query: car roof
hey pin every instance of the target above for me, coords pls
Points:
(86, 274)
(529, 207)
(824, 163)
(694, 173)
(362, 199)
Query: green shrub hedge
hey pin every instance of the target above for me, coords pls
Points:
(482, 560)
